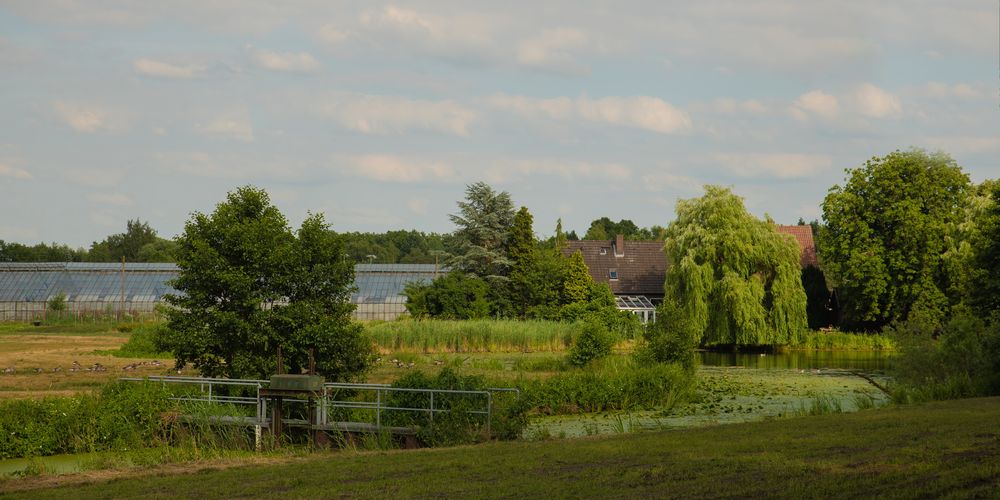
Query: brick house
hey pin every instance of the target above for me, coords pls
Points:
(636, 270)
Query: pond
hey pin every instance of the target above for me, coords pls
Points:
(745, 387)
(866, 361)
(55, 464)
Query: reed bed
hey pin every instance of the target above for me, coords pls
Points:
(841, 341)
(437, 336)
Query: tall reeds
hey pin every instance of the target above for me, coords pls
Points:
(434, 336)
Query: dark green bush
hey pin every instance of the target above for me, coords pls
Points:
(594, 342)
(451, 423)
(455, 295)
(671, 339)
(963, 360)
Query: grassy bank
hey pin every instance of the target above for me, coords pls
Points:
(941, 449)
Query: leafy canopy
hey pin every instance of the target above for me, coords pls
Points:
(732, 278)
(886, 234)
(985, 279)
(248, 285)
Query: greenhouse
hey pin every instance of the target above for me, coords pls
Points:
(31, 291)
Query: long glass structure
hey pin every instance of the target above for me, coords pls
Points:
(27, 288)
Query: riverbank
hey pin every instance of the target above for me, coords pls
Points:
(941, 449)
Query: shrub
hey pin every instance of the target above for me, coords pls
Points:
(455, 295)
(615, 383)
(594, 342)
(123, 415)
(452, 423)
(144, 342)
(671, 339)
(58, 302)
(963, 361)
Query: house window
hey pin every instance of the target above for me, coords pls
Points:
(604, 250)
(613, 273)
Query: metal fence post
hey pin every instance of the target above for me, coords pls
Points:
(432, 408)
(378, 408)
(489, 413)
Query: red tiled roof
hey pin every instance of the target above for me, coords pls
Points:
(641, 268)
(804, 236)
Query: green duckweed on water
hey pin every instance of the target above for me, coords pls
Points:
(727, 395)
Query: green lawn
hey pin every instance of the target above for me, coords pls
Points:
(940, 449)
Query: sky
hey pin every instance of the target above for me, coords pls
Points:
(379, 114)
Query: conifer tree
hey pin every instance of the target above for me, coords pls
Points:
(523, 258)
(578, 281)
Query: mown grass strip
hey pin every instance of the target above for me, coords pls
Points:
(940, 449)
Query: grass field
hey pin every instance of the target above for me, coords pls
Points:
(42, 358)
(947, 449)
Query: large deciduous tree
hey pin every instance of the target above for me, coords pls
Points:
(125, 245)
(886, 232)
(248, 284)
(732, 277)
(984, 289)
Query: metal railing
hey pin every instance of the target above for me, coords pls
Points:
(376, 398)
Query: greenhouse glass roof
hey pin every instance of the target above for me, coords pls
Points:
(384, 283)
(147, 282)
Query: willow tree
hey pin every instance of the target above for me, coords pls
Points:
(731, 275)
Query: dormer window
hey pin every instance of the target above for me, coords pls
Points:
(613, 274)
(604, 250)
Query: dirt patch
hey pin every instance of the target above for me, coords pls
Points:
(98, 476)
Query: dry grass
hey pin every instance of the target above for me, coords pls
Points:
(54, 355)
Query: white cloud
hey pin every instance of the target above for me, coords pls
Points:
(642, 112)
(460, 38)
(115, 199)
(730, 106)
(776, 165)
(874, 102)
(961, 145)
(940, 90)
(152, 67)
(88, 118)
(331, 34)
(294, 62)
(226, 166)
(389, 168)
(553, 50)
(568, 170)
(665, 180)
(817, 103)
(14, 172)
(417, 205)
(373, 114)
(236, 126)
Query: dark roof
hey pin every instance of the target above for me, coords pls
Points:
(804, 237)
(641, 268)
